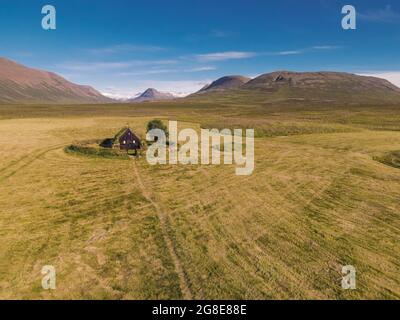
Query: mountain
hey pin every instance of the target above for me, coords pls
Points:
(225, 83)
(151, 95)
(327, 87)
(20, 84)
(327, 81)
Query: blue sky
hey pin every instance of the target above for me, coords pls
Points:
(122, 47)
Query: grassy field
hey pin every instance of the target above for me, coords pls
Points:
(122, 229)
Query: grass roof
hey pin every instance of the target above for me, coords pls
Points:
(119, 134)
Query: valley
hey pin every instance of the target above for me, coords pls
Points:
(118, 229)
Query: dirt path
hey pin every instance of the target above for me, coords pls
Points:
(187, 294)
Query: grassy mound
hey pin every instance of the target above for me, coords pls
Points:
(92, 149)
(391, 159)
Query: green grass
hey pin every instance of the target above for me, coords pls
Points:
(96, 152)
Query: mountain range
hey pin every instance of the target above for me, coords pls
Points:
(20, 84)
(305, 86)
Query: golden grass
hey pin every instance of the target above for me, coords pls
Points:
(117, 229)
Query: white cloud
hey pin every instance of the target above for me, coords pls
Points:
(203, 58)
(200, 69)
(387, 15)
(302, 51)
(231, 55)
(145, 72)
(392, 76)
(106, 66)
(287, 53)
(161, 71)
(221, 56)
(83, 66)
(326, 47)
(125, 48)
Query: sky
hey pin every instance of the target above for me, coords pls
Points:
(123, 47)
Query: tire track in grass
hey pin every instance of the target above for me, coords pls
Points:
(25, 161)
(183, 283)
(16, 162)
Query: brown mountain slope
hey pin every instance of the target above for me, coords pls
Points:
(225, 83)
(335, 86)
(20, 84)
(323, 88)
(319, 80)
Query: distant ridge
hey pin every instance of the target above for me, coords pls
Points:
(319, 81)
(152, 94)
(306, 86)
(224, 83)
(20, 84)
